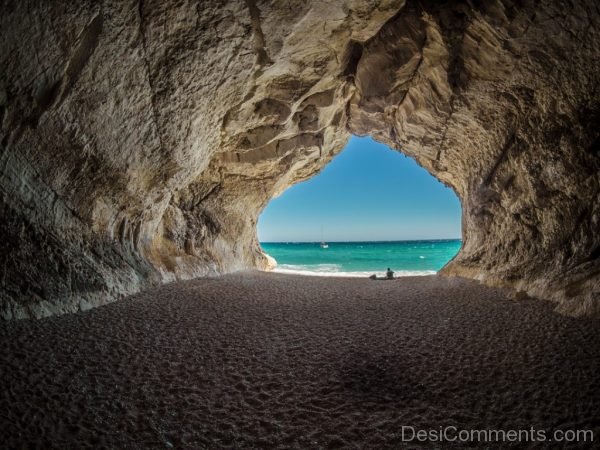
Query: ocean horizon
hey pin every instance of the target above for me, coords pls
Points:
(362, 258)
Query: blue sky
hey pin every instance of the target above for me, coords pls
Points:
(366, 193)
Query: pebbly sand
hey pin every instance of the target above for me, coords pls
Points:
(263, 360)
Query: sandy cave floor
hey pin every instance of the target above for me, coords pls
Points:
(266, 360)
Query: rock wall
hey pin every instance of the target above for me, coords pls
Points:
(501, 102)
(141, 140)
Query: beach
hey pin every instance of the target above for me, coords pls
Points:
(267, 360)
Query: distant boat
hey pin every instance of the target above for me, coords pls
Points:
(323, 243)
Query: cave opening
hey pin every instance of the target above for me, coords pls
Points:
(370, 208)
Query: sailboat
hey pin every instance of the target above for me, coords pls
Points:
(323, 243)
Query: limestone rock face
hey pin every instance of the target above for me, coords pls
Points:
(140, 141)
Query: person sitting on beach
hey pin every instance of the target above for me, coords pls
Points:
(389, 274)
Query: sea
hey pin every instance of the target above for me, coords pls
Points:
(360, 259)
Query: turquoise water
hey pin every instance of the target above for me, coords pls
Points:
(405, 258)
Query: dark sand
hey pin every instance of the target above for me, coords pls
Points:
(265, 360)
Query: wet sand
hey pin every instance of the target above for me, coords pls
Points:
(259, 360)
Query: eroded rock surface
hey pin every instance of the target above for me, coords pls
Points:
(140, 141)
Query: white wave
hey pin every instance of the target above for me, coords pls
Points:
(303, 270)
(312, 267)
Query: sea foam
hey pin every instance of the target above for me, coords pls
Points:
(333, 270)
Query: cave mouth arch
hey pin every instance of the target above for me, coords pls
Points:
(371, 207)
(118, 177)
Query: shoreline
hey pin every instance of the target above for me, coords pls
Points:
(351, 274)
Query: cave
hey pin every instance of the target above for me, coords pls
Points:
(117, 177)
(140, 142)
